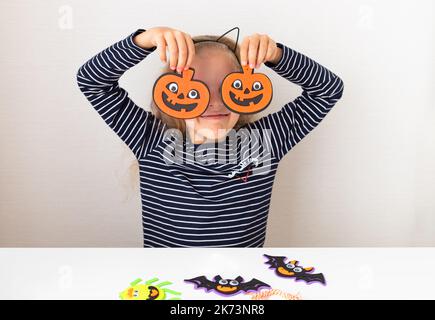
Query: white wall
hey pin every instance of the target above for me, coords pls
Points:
(364, 177)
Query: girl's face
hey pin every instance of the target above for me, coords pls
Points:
(212, 66)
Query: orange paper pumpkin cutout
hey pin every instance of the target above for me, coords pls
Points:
(180, 96)
(246, 92)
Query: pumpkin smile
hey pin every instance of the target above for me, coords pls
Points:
(245, 102)
(177, 106)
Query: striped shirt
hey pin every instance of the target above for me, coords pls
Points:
(210, 195)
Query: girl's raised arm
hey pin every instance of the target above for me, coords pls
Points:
(98, 80)
(321, 90)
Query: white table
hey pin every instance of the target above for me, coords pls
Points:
(102, 273)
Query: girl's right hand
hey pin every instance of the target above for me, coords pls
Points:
(180, 45)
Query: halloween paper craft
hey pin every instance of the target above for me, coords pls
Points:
(292, 269)
(227, 286)
(180, 96)
(266, 294)
(246, 92)
(148, 291)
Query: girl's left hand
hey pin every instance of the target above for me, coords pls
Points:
(259, 48)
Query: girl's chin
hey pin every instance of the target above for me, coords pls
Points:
(212, 127)
(214, 135)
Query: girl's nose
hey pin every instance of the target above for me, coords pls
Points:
(215, 101)
(215, 104)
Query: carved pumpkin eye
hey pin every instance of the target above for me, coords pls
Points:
(193, 94)
(257, 86)
(237, 84)
(173, 87)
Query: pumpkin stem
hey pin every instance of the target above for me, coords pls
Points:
(188, 74)
(247, 70)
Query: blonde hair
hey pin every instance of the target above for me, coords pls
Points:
(201, 42)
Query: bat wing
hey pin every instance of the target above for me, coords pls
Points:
(315, 277)
(275, 262)
(254, 285)
(202, 282)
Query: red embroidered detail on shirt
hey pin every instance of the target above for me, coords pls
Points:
(248, 173)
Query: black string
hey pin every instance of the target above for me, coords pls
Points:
(237, 39)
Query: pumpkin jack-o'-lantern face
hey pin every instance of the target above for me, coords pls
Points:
(180, 96)
(246, 92)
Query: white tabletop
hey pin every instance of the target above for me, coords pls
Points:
(102, 273)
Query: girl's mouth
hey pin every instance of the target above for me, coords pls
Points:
(215, 116)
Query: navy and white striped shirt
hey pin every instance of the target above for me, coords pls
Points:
(198, 203)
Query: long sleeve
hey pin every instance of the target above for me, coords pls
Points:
(321, 90)
(98, 80)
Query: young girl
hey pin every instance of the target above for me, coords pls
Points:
(199, 203)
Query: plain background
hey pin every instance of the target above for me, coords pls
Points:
(364, 177)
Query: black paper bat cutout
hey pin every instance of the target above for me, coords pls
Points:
(227, 286)
(291, 269)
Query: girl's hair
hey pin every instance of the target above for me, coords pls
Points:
(226, 46)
